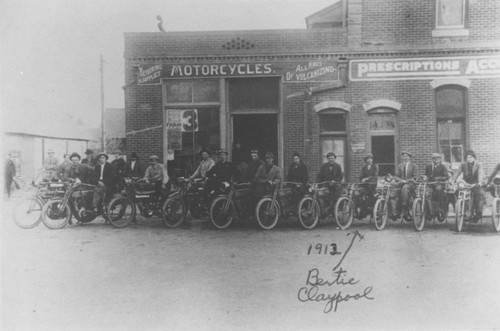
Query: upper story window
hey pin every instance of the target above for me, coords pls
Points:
(450, 18)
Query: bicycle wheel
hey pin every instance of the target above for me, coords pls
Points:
(495, 214)
(309, 212)
(418, 214)
(54, 216)
(344, 212)
(221, 214)
(28, 213)
(459, 215)
(121, 212)
(173, 212)
(380, 214)
(267, 212)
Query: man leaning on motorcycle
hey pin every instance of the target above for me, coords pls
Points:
(437, 172)
(157, 174)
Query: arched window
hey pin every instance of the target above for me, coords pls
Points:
(451, 101)
(333, 135)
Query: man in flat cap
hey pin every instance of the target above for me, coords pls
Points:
(254, 164)
(268, 172)
(222, 171)
(472, 172)
(437, 172)
(405, 172)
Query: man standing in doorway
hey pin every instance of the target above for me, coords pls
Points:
(254, 165)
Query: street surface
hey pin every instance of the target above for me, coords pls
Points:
(149, 277)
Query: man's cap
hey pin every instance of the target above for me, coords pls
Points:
(269, 155)
(75, 154)
(436, 155)
(222, 151)
(154, 157)
(368, 156)
(296, 154)
(407, 153)
(471, 153)
(89, 151)
(102, 154)
(331, 154)
(204, 150)
(254, 151)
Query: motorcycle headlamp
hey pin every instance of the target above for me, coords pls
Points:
(461, 185)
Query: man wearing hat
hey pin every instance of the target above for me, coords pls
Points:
(206, 164)
(89, 159)
(368, 176)
(472, 173)
(269, 172)
(331, 171)
(156, 174)
(437, 172)
(254, 164)
(104, 178)
(405, 171)
(119, 164)
(297, 172)
(78, 172)
(133, 166)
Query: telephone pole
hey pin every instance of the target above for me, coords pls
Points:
(102, 104)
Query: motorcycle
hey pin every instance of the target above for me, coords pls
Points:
(77, 201)
(354, 203)
(192, 196)
(138, 194)
(235, 201)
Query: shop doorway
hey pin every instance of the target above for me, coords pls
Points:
(383, 148)
(255, 131)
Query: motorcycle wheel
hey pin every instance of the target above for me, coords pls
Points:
(380, 214)
(220, 217)
(344, 213)
(418, 214)
(173, 212)
(459, 215)
(495, 214)
(121, 212)
(308, 212)
(267, 212)
(28, 213)
(53, 216)
(89, 217)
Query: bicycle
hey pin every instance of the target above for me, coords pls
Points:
(495, 211)
(312, 206)
(352, 204)
(235, 201)
(421, 205)
(464, 211)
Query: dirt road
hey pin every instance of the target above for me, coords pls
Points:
(148, 277)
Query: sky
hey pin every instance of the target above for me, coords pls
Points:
(50, 49)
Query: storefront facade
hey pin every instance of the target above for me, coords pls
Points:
(360, 86)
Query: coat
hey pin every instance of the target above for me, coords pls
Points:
(297, 173)
(273, 173)
(329, 172)
(136, 171)
(223, 172)
(440, 173)
(474, 177)
(108, 176)
(371, 173)
(412, 171)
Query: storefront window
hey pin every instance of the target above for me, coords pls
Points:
(188, 91)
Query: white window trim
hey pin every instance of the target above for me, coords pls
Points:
(450, 30)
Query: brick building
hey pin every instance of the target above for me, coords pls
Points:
(365, 76)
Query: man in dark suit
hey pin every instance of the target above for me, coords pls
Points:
(331, 171)
(405, 171)
(133, 167)
(472, 172)
(368, 178)
(437, 172)
(89, 159)
(104, 178)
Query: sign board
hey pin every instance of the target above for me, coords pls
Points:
(424, 68)
(173, 125)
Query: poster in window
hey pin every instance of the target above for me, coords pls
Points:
(173, 124)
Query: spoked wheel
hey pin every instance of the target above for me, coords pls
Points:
(221, 212)
(28, 213)
(267, 212)
(495, 214)
(380, 214)
(344, 212)
(54, 215)
(173, 212)
(121, 212)
(418, 214)
(309, 212)
(459, 215)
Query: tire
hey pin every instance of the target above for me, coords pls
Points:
(267, 212)
(221, 219)
(308, 212)
(495, 214)
(459, 215)
(80, 218)
(173, 212)
(53, 216)
(418, 214)
(380, 214)
(28, 213)
(344, 212)
(121, 212)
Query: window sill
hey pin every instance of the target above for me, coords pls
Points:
(456, 32)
